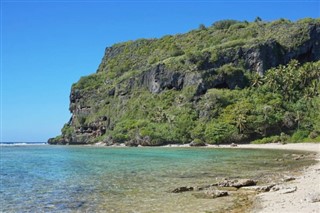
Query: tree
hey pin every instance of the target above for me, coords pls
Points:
(258, 19)
(241, 123)
(202, 27)
(257, 80)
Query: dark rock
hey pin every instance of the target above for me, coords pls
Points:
(160, 78)
(112, 92)
(287, 179)
(131, 143)
(182, 189)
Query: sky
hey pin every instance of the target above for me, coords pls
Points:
(46, 46)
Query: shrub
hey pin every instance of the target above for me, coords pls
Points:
(224, 24)
(202, 27)
(218, 132)
(299, 135)
(272, 139)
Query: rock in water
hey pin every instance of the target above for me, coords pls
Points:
(211, 194)
(182, 189)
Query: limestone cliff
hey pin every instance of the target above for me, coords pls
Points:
(124, 100)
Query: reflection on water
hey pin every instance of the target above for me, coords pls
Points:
(78, 178)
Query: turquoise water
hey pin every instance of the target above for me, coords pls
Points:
(104, 179)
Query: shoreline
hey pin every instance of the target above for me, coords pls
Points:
(305, 199)
(306, 196)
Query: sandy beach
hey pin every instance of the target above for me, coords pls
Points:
(306, 197)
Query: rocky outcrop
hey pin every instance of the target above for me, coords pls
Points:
(226, 71)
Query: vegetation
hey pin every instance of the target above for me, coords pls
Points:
(281, 106)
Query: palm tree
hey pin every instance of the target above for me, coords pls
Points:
(257, 80)
(241, 123)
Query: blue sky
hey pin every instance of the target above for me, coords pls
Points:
(48, 45)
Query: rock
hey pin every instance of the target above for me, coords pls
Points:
(265, 188)
(131, 143)
(284, 190)
(287, 179)
(313, 198)
(237, 183)
(182, 189)
(200, 188)
(211, 194)
(227, 188)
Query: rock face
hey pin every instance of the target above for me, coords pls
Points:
(225, 71)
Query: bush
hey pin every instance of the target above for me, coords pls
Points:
(299, 136)
(272, 139)
(217, 132)
(224, 24)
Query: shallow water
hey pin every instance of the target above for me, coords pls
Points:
(105, 179)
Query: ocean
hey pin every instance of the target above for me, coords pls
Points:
(44, 178)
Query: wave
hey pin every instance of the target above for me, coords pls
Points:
(22, 143)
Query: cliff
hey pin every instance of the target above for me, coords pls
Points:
(231, 82)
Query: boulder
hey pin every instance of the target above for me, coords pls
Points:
(237, 183)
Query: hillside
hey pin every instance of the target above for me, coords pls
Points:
(230, 82)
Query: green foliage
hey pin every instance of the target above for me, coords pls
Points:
(90, 82)
(299, 135)
(219, 132)
(285, 100)
(257, 19)
(294, 81)
(272, 139)
(224, 24)
(202, 27)
(67, 130)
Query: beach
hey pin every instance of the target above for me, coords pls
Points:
(306, 198)
(305, 195)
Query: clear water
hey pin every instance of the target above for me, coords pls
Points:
(104, 179)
